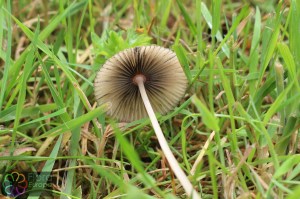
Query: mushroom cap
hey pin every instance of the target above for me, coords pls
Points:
(165, 82)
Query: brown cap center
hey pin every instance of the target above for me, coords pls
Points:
(139, 78)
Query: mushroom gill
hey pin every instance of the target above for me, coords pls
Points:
(164, 80)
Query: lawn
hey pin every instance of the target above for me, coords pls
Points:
(235, 131)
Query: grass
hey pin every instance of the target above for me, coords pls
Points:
(235, 132)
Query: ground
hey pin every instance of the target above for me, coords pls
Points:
(235, 132)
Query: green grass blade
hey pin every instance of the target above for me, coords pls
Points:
(208, 118)
(294, 39)
(47, 169)
(49, 116)
(134, 159)
(22, 94)
(165, 9)
(8, 55)
(287, 166)
(243, 13)
(289, 60)
(216, 11)
(295, 194)
(212, 170)
(276, 104)
(270, 50)
(253, 61)
(9, 114)
(187, 18)
(2, 21)
(208, 18)
(256, 31)
(74, 123)
(181, 54)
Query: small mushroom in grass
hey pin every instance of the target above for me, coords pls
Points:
(158, 69)
(136, 78)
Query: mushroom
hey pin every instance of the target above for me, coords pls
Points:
(136, 78)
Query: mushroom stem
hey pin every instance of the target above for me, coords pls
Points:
(184, 181)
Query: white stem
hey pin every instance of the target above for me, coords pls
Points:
(184, 181)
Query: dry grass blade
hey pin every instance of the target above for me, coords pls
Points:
(201, 154)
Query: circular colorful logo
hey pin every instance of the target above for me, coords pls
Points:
(14, 184)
